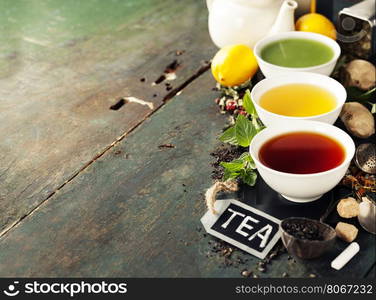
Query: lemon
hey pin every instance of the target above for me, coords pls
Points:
(317, 23)
(234, 65)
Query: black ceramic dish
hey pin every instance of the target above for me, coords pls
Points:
(298, 245)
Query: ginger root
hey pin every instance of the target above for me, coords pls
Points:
(346, 232)
(348, 208)
(359, 73)
(358, 119)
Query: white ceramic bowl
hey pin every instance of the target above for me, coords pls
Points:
(302, 187)
(325, 82)
(269, 69)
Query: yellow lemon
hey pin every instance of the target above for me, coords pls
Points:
(316, 23)
(234, 65)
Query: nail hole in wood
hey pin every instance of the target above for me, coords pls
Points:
(118, 104)
(160, 79)
(170, 68)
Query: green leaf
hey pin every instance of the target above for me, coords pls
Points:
(229, 136)
(230, 175)
(257, 124)
(244, 131)
(248, 104)
(368, 93)
(373, 107)
(235, 165)
(242, 167)
(354, 93)
(245, 156)
(247, 161)
(249, 177)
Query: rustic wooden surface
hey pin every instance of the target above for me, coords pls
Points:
(63, 65)
(136, 210)
(87, 191)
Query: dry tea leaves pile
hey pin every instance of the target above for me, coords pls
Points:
(362, 184)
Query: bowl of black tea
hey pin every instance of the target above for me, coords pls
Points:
(302, 160)
(306, 238)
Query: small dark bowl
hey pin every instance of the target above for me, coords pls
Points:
(304, 248)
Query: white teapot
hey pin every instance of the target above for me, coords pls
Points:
(247, 21)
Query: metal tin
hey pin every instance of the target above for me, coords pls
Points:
(356, 29)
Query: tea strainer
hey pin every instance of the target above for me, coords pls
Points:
(365, 158)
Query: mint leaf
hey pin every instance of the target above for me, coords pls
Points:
(235, 165)
(245, 156)
(248, 105)
(242, 167)
(230, 175)
(249, 177)
(229, 136)
(244, 131)
(247, 161)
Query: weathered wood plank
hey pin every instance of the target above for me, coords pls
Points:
(63, 64)
(114, 218)
(135, 211)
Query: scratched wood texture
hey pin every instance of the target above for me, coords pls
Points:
(63, 64)
(135, 211)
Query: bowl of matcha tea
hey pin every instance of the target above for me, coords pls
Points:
(298, 96)
(297, 51)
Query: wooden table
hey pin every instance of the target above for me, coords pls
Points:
(86, 190)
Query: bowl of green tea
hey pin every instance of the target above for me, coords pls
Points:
(298, 96)
(297, 51)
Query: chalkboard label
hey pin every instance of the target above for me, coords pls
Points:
(243, 226)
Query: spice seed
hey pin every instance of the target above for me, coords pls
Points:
(246, 273)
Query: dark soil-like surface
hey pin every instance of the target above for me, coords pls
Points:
(224, 153)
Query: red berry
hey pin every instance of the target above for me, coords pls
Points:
(230, 105)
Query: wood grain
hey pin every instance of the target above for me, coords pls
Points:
(63, 65)
(114, 219)
(135, 212)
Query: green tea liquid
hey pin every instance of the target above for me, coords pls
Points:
(297, 53)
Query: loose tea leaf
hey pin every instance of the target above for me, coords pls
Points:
(303, 230)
